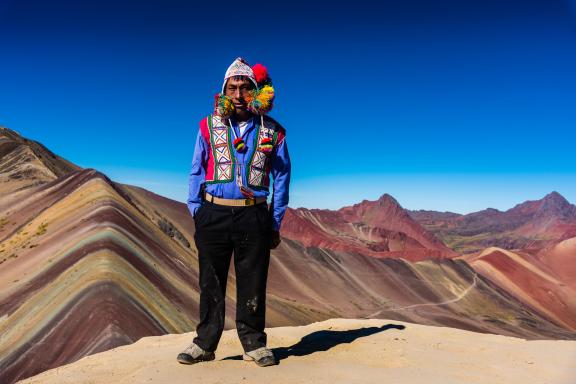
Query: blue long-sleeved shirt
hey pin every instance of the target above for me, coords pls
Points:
(280, 172)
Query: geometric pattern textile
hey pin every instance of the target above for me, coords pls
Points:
(260, 163)
(222, 151)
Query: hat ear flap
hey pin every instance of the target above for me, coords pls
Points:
(223, 106)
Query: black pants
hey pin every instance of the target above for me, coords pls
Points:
(221, 231)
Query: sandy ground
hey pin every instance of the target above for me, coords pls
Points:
(337, 351)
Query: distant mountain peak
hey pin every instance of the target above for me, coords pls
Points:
(388, 199)
(555, 196)
(385, 203)
(555, 204)
(9, 133)
(25, 159)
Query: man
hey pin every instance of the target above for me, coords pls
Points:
(237, 149)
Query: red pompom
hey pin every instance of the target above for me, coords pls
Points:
(260, 73)
(237, 140)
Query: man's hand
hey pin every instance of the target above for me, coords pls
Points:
(275, 240)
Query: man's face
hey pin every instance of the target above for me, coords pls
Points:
(237, 90)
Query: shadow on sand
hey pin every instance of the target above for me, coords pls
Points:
(324, 340)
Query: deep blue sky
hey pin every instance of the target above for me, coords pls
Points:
(446, 105)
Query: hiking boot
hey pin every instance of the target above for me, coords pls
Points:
(262, 356)
(194, 354)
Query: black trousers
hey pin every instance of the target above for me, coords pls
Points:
(245, 232)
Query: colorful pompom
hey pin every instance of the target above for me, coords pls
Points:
(239, 145)
(260, 101)
(223, 106)
(260, 73)
(265, 145)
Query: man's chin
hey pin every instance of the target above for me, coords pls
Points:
(243, 112)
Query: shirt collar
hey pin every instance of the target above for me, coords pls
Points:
(236, 126)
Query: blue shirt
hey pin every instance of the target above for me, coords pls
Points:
(280, 172)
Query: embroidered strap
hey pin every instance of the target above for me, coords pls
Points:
(221, 150)
(259, 163)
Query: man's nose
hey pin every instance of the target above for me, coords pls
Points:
(237, 94)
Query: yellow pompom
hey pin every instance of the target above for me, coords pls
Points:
(265, 96)
(260, 101)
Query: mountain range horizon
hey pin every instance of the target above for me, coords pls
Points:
(342, 205)
(552, 195)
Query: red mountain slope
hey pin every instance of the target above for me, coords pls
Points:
(533, 224)
(380, 228)
(544, 279)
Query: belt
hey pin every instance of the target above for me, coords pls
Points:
(234, 202)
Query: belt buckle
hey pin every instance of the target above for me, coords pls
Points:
(249, 201)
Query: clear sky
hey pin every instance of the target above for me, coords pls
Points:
(446, 105)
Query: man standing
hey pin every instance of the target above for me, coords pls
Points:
(237, 149)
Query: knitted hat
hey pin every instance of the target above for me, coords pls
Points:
(260, 100)
(239, 68)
